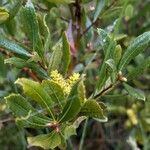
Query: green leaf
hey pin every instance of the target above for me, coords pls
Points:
(15, 8)
(129, 12)
(104, 40)
(139, 69)
(78, 121)
(118, 54)
(26, 115)
(37, 93)
(86, 24)
(46, 141)
(30, 25)
(18, 105)
(11, 27)
(111, 69)
(108, 45)
(111, 64)
(82, 92)
(35, 58)
(34, 120)
(44, 30)
(71, 130)
(119, 37)
(4, 15)
(137, 46)
(135, 93)
(61, 1)
(21, 63)
(18, 62)
(66, 57)
(55, 91)
(100, 4)
(13, 47)
(73, 105)
(47, 36)
(92, 109)
(56, 57)
(3, 69)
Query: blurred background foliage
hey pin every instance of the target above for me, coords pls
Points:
(128, 125)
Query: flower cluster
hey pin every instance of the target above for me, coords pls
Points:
(66, 84)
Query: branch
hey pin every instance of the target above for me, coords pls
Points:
(104, 91)
(88, 28)
(31, 74)
(120, 78)
(78, 15)
(6, 120)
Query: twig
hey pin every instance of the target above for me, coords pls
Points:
(107, 89)
(64, 19)
(88, 28)
(111, 5)
(78, 15)
(31, 74)
(93, 23)
(6, 120)
(104, 91)
(5, 52)
(83, 134)
(70, 144)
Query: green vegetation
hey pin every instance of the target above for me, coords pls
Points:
(74, 74)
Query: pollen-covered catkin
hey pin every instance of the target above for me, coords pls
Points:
(66, 84)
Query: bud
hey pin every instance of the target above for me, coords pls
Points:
(121, 77)
(124, 79)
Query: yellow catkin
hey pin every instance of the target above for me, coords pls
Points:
(72, 79)
(132, 116)
(66, 84)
